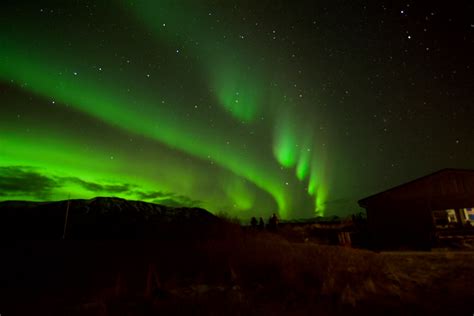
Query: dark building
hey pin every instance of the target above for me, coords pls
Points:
(415, 214)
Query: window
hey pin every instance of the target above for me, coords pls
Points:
(468, 213)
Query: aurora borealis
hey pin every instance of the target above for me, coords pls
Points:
(244, 107)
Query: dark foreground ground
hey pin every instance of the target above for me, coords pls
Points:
(231, 273)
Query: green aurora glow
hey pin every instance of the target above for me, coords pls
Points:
(48, 71)
(248, 108)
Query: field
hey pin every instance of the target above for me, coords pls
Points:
(234, 272)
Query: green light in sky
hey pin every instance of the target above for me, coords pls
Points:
(285, 146)
(312, 185)
(321, 197)
(232, 79)
(303, 166)
(83, 91)
(237, 92)
(240, 194)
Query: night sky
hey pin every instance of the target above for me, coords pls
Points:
(243, 107)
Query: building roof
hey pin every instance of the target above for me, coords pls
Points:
(446, 188)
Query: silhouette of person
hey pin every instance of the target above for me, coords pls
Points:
(253, 222)
(261, 223)
(273, 222)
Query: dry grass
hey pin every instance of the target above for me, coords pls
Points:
(232, 273)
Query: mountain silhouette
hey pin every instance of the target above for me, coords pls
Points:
(101, 218)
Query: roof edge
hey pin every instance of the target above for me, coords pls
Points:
(362, 202)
